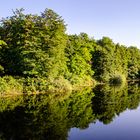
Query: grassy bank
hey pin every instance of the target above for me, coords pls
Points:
(19, 85)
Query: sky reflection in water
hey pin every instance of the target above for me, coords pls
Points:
(126, 126)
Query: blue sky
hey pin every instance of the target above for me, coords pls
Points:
(117, 19)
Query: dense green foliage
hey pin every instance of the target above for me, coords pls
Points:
(112, 60)
(36, 51)
(35, 44)
(78, 52)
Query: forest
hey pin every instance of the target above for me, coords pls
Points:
(37, 55)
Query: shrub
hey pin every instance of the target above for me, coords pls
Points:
(117, 79)
(10, 85)
(34, 85)
(43, 85)
(78, 81)
(59, 84)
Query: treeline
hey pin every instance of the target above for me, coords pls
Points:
(37, 52)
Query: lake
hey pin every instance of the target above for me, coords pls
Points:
(102, 113)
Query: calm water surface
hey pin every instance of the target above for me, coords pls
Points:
(124, 123)
(102, 113)
(124, 127)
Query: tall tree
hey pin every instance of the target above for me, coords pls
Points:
(78, 51)
(133, 62)
(103, 59)
(36, 44)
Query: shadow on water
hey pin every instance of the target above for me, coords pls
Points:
(51, 116)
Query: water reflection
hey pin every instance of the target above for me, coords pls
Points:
(57, 116)
(109, 102)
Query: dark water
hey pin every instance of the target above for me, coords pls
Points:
(102, 113)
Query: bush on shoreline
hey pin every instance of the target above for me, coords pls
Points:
(117, 79)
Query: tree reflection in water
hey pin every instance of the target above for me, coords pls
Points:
(50, 116)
